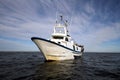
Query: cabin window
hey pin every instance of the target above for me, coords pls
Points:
(66, 39)
(73, 47)
(59, 30)
(57, 37)
(77, 48)
(58, 42)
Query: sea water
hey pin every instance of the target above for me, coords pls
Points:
(32, 66)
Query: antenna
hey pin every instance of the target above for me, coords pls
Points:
(61, 17)
(56, 16)
(71, 19)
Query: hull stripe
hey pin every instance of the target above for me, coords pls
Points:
(33, 38)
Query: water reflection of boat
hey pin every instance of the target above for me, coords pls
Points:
(54, 70)
(61, 46)
(60, 70)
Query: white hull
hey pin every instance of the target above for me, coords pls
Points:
(54, 51)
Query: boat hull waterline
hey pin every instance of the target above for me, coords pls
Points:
(55, 51)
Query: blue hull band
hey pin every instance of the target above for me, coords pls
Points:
(33, 38)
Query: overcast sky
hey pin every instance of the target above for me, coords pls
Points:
(93, 23)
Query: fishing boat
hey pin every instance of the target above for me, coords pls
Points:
(60, 46)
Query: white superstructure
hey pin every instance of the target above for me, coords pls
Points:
(60, 46)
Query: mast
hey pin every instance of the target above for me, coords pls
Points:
(60, 27)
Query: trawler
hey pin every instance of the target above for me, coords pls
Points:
(60, 46)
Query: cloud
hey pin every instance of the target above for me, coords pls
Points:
(96, 39)
(28, 30)
(8, 45)
(20, 17)
(89, 8)
(108, 33)
(91, 22)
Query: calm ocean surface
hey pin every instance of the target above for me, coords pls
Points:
(31, 66)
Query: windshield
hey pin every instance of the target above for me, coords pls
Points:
(57, 37)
